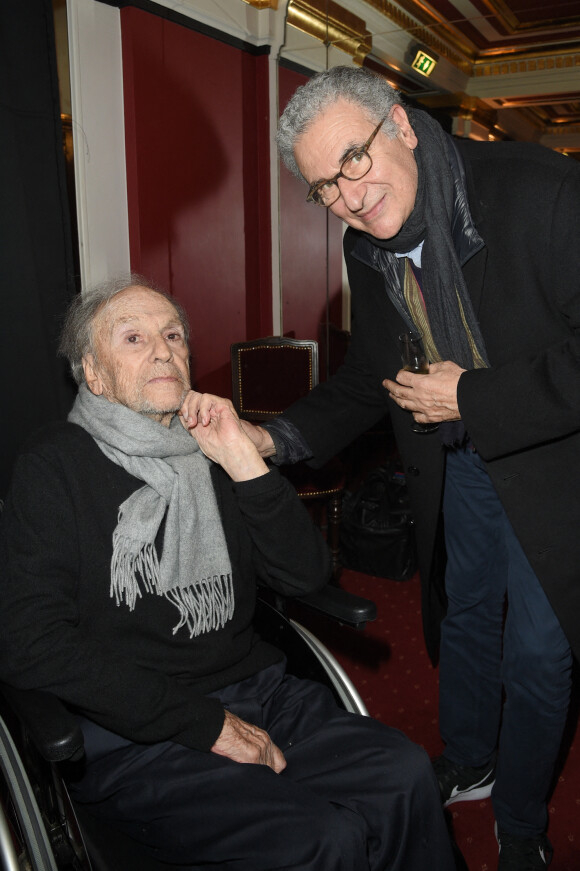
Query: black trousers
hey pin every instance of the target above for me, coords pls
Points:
(355, 794)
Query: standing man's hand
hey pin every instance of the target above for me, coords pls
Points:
(431, 398)
(245, 743)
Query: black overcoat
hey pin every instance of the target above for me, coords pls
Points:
(523, 413)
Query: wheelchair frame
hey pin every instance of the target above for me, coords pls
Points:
(40, 829)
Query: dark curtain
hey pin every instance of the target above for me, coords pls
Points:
(36, 263)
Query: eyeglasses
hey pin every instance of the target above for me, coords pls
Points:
(354, 167)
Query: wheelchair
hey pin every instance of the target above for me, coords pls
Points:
(41, 743)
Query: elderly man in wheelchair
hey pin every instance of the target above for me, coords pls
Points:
(133, 541)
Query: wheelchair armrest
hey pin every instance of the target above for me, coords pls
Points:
(341, 605)
(52, 728)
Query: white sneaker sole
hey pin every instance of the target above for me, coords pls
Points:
(477, 792)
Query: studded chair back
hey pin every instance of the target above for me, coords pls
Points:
(268, 375)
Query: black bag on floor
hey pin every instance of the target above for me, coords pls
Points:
(377, 536)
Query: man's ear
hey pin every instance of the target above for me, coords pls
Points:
(407, 133)
(92, 377)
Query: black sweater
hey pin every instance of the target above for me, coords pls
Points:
(61, 630)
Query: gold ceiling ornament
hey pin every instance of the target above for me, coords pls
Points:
(262, 4)
(530, 62)
(330, 23)
(421, 29)
(560, 130)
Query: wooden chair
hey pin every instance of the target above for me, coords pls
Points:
(268, 375)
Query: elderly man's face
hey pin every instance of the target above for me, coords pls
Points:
(141, 356)
(381, 201)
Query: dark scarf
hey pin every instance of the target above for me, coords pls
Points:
(454, 327)
(446, 297)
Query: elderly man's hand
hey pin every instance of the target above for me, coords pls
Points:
(214, 424)
(197, 408)
(431, 398)
(243, 742)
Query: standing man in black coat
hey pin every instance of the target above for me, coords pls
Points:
(475, 246)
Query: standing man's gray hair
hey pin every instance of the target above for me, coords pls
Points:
(358, 86)
(76, 340)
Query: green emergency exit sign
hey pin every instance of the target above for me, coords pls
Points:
(423, 63)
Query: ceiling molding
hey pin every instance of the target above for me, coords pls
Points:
(562, 138)
(528, 62)
(515, 26)
(518, 60)
(409, 16)
(440, 35)
(331, 24)
(262, 4)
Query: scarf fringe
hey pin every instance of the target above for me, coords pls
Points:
(205, 605)
(130, 561)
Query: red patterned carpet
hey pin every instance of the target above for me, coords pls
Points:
(389, 665)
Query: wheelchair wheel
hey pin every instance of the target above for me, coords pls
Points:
(307, 656)
(336, 676)
(38, 828)
(23, 839)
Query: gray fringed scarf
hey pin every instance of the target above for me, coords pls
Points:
(194, 572)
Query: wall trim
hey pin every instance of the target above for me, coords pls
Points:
(98, 127)
(191, 23)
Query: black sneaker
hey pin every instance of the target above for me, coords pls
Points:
(462, 783)
(523, 854)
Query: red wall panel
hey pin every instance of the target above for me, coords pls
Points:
(196, 115)
(311, 248)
